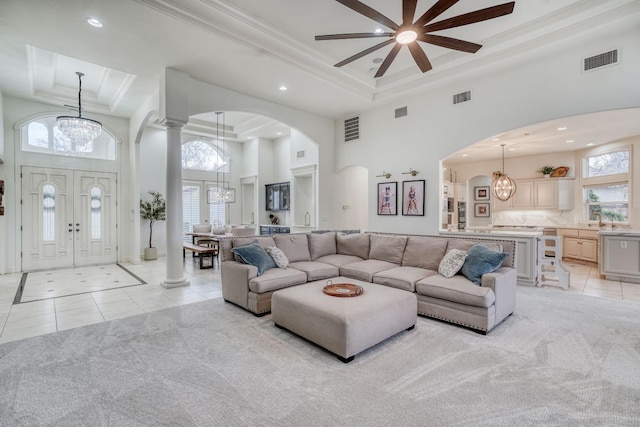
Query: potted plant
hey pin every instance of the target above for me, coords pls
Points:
(152, 211)
(546, 171)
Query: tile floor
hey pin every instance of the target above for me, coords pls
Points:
(56, 314)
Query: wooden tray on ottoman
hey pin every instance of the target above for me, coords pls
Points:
(343, 290)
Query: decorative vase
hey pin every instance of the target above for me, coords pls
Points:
(150, 254)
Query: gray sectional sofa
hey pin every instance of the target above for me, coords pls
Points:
(407, 262)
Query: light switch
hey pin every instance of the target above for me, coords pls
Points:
(623, 244)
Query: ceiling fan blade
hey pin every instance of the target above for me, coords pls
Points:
(388, 60)
(450, 43)
(419, 56)
(353, 36)
(370, 13)
(408, 11)
(472, 17)
(436, 10)
(364, 52)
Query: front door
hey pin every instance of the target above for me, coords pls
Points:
(68, 217)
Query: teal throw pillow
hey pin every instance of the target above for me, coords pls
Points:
(481, 260)
(255, 255)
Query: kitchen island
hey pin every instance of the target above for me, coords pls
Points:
(526, 248)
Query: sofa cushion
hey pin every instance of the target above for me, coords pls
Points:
(460, 244)
(353, 244)
(277, 278)
(316, 270)
(452, 262)
(278, 256)
(404, 278)
(339, 259)
(322, 244)
(265, 242)
(456, 289)
(364, 270)
(424, 252)
(255, 254)
(295, 246)
(481, 260)
(387, 248)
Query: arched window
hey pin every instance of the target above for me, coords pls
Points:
(203, 155)
(48, 213)
(96, 212)
(41, 135)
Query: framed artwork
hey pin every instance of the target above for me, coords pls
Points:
(481, 193)
(387, 198)
(413, 197)
(481, 209)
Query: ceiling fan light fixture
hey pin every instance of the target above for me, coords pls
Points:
(406, 37)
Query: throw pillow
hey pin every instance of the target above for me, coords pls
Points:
(255, 255)
(278, 256)
(481, 260)
(452, 262)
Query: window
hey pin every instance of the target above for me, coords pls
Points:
(203, 155)
(41, 135)
(190, 208)
(96, 212)
(48, 213)
(606, 185)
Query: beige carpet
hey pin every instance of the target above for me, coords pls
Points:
(561, 360)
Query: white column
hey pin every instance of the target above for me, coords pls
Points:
(175, 268)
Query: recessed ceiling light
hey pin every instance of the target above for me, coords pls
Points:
(378, 30)
(496, 139)
(512, 149)
(283, 88)
(562, 128)
(377, 60)
(590, 144)
(465, 155)
(278, 133)
(95, 22)
(569, 141)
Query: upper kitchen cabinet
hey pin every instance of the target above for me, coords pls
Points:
(540, 194)
(278, 196)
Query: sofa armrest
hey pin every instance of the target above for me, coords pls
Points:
(235, 282)
(503, 283)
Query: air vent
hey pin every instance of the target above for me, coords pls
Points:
(462, 97)
(352, 129)
(401, 112)
(300, 154)
(601, 60)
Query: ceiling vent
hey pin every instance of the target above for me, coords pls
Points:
(300, 154)
(601, 60)
(401, 112)
(352, 129)
(462, 97)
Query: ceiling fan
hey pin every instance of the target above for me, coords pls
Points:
(410, 31)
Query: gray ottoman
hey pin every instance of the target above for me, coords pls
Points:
(344, 326)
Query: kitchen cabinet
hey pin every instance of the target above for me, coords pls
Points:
(539, 194)
(579, 244)
(278, 196)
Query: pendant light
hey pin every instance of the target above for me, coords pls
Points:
(223, 193)
(503, 187)
(80, 131)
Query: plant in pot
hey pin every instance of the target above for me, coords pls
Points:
(546, 171)
(152, 211)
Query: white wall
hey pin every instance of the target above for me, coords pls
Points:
(549, 86)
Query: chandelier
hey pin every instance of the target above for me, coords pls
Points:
(503, 187)
(80, 131)
(222, 193)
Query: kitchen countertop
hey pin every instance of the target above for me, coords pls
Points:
(495, 232)
(619, 232)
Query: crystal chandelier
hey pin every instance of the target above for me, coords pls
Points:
(222, 194)
(503, 186)
(80, 131)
